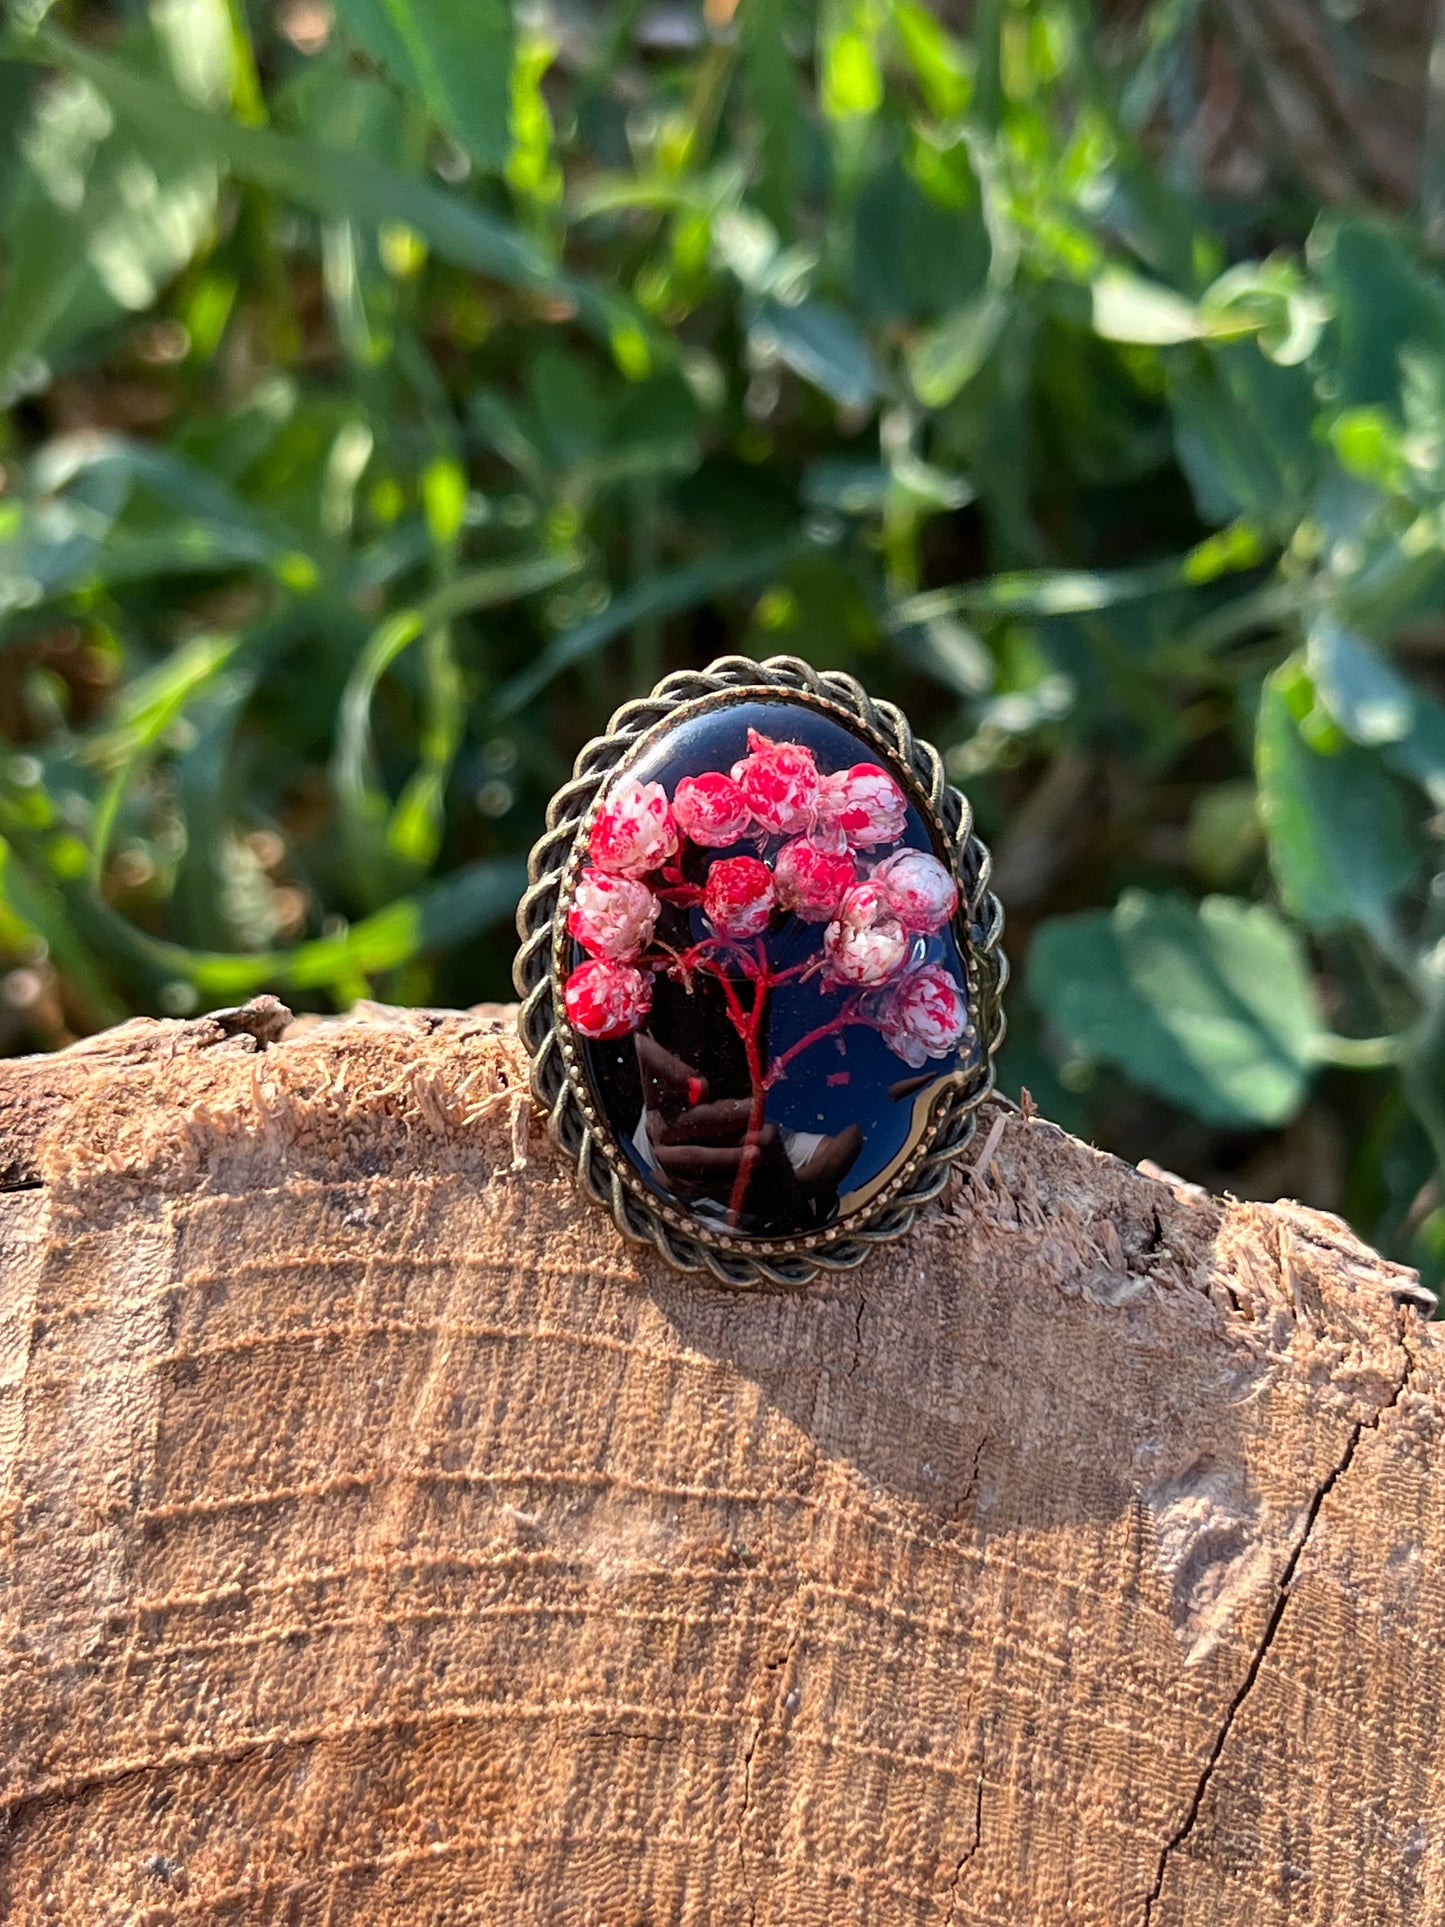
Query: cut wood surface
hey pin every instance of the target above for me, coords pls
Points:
(389, 1542)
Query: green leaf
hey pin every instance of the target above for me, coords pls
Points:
(822, 345)
(349, 186)
(940, 62)
(946, 358)
(571, 409)
(1420, 756)
(650, 600)
(852, 86)
(1270, 300)
(34, 902)
(1369, 443)
(1063, 592)
(1208, 1004)
(16, 84)
(844, 487)
(102, 217)
(1127, 308)
(102, 508)
(456, 53)
(437, 918)
(1244, 430)
(389, 844)
(1385, 309)
(1369, 699)
(152, 703)
(1339, 837)
(773, 86)
(916, 258)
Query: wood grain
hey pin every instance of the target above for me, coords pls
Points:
(386, 1541)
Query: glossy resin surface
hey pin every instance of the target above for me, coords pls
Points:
(766, 967)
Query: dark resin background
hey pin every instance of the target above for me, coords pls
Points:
(824, 1090)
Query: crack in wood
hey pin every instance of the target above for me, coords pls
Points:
(971, 1849)
(1272, 1626)
(857, 1358)
(779, 1668)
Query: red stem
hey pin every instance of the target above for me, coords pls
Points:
(753, 1134)
(847, 1015)
(748, 1025)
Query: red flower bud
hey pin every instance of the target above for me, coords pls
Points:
(711, 809)
(606, 999)
(738, 897)
(780, 782)
(810, 881)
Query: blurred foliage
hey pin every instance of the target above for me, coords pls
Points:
(392, 389)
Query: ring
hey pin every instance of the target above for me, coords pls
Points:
(760, 971)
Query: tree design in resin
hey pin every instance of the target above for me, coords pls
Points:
(746, 928)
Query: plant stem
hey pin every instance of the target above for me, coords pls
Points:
(748, 1024)
(847, 1015)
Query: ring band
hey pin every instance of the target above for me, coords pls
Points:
(760, 971)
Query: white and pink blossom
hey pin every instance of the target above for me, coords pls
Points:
(634, 831)
(861, 906)
(711, 809)
(738, 897)
(918, 889)
(923, 1015)
(864, 946)
(606, 999)
(780, 783)
(810, 881)
(612, 916)
(862, 805)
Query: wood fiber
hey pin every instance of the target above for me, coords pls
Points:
(387, 1541)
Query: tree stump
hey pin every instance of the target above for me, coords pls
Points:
(388, 1541)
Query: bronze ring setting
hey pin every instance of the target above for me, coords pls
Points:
(760, 971)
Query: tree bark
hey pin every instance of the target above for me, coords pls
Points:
(388, 1541)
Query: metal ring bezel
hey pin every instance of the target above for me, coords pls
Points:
(559, 1078)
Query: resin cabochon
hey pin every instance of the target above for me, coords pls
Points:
(825, 1090)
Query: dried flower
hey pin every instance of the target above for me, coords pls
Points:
(612, 916)
(810, 881)
(606, 999)
(711, 809)
(634, 831)
(863, 805)
(738, 897)
(923, 1015)
(780, 783)
(917, 888)
(864, 946)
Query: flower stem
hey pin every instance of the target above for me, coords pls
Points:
(847, 1015)
(748, 1025)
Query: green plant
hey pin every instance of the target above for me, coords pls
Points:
(388, 396)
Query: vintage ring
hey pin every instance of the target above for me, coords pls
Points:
(760, 971)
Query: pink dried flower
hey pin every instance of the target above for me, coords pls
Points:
(612, 916)
(634, 831)
(862, 906)
(711, 809)
(738, 897)
(863, 805)
(606, 999)
(810, 881)
(923, 1015)
(780, 783)
(864, 946)
(917, 889)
